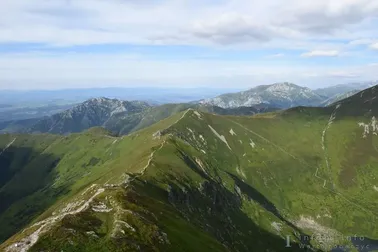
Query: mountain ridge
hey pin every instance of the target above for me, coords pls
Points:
(113, 115)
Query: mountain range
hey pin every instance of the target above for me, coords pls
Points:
(124, 117)
(21, 105)
(285, 95)
(120, 117)
(299, 179)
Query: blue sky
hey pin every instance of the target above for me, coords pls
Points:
(53, 44)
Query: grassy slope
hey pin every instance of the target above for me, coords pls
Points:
(288, 164)
(162, 218)
(273, 169)
(311, 187)
(49, 167)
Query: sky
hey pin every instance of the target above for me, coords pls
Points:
(54, 44)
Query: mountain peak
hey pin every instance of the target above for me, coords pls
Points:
(280, 95)
(93, 112)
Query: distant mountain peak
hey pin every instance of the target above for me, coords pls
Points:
(93, 112)
(280, 95)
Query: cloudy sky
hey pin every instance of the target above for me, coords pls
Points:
(186, 43)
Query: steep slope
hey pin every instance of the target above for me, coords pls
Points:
(339, 97)
(338, 90)
(364, 103)
(37, 170)
(200, 182)
(280, 95)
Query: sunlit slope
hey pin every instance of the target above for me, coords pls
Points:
(319, 168)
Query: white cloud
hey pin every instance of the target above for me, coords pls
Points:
(232, 28)
(182, 22)
(321, 53)
(327, 17)
(374, 46)
(336, 27)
